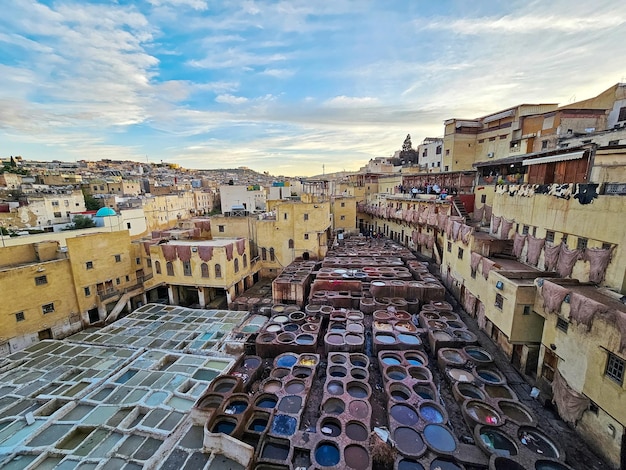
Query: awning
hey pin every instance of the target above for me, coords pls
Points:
(554, 158)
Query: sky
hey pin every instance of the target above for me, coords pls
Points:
(292, 87)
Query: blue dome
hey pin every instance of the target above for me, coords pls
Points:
(105, 212)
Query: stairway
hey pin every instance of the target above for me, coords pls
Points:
(460, 208)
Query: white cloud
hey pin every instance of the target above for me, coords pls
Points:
(278, 73)
(231, 99)
(195, 4)
(351, 101)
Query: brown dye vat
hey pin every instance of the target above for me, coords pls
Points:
(337, 371)
(499, 391)
(334, 406)
(421, 374)
(359, 373)
(356, 457)
(356, 431)
(481, 412)
(409, 441)
(280, 372)
(516, 412)
(359, 409)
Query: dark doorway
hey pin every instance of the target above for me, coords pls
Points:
(94, 316)
(45, 334)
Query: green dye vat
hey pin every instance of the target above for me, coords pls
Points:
(49, 436)
(181, 404)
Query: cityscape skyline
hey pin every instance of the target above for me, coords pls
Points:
(284, 87)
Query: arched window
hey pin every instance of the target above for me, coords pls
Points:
(170, 268)
(204, 268)
(218, 270)
(187, 268)
(263, 254)
(290, 243)
(157, 267)
(245, 261)
(272, 257)
(236, 265)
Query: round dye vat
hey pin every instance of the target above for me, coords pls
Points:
(266, 338)
(437, 324)
(224, 426)
(404, 414)
(272, 386)
(287, 360)
(515, 411)
(482, 413)
(357, 432)
(478, 354)
(443, 464)
(409, 339)
(460, 375)
(334, 387)
(338, 359)
(490, 376)
(258, 425)
(405, 327)
(550, 465)
(251, 362)
(470, 391)
(464, 335)
(421, 373)
(415, 359)
(441, 336)
(356, 457)
(390, 360)
(334, 406)
(223, 384)
(396, 373)
(337, 328)
(273, 328)
(455, 324)
(291, 327)
(266, 401)
(498, 391)
(451, 356)
(359, 409)
(296, 316)
(330, 427)
(353, 339)
(399, 392)
(295, 386)
(236, 407)
(285, 338)
(385, 339)
(357, 390)
(424, 391)
(439, 438)
(502, 463)
(409, 464)
(302, 372)
(537, 442)
(280, 372)
(408, 441)
(358, 360)
(334, 339)
(290, 404)
(337, 371)
(307, 360)
(431, 413)
(284, 425)
(281, 319)
(497, 442)
(327, 454)
(355, 328)
(309, 328)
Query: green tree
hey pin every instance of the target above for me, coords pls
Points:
(408, 154)
(81, 221)
(91, 203)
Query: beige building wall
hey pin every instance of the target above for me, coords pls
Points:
(343, 210)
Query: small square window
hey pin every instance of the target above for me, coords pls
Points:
(118, 258)
(483, 198)
(615, 368)
(564, 238)
(128, 225)
(47, 308)
(527, 309)
(87, 291)
(285, 216)
(343, 217)
(137, 260)
(19, 316)
(550, 236)
(449, 247)
(581, 244)
(220, 228)
(117, 280)
(499, 301)
(127, 278)
(606, 246)
(41, 280)
(562, 324)
(149, 262)
(89, 264)
(525, 230)
(343, 204)
(534, 231)
(306, 216)
(460, 254)
(306, 236)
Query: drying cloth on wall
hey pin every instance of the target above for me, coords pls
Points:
(534, 249)
(619, 319)
(414, 236)
(475, 261)
(432, 217)
(229, 251)
(495, 223)
(551, 256)
(204, 225)
(599, 259)
(587, 193)
(466, 231)
(480, 315)
(518, 244)
(506, 228)
(487, 266)
(488, 210)
(449, 228)
(423, 215)
(241, 246)
(553, 296)
(147, 245)
(183, 252)
(583, 309)
(430, 241)
(479, 212)
(205, 253)
(169, 252)
(456, 228)
(567, 260)
(442, 220)
(570, 404)
(469, 302)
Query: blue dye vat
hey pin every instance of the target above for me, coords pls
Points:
(431, 414)
(236, 407)
(284, 425)
(327, 455)
(286, 361)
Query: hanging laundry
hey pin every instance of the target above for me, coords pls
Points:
(506, 228)
(553, 296)
(551, 256)
(169, 252)
(518, 244)
(542, 188)
(487, 266)
(466, 231)
(495, 223)
(488, 211)
(583, 309)
(474, 261)
(456, 228)
(586, 193)
(567, 260)
(479, 212)
(570, 404)
(599, 259)
(534, 249)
